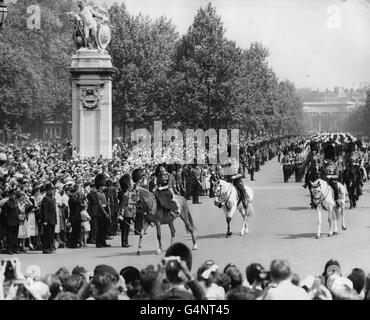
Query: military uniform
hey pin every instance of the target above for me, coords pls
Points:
(287, 167)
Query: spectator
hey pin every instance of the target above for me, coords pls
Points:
(282, 288)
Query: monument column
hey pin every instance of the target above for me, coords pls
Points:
(92, 73)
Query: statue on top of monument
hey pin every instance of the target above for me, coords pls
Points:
(92, 27)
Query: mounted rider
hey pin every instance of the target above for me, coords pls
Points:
(330, 169)
(237, 181)
(165, 192)
(313, 164)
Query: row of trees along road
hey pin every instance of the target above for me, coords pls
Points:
(162, 75)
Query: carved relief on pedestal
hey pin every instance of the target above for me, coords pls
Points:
(90, 98)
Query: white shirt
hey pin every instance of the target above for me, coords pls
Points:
(287, 291)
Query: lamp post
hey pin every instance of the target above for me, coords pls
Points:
(3, 12)
(209, 85)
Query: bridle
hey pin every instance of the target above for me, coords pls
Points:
(219, 193)
(320, 199)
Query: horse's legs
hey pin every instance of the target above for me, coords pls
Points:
(159, 237)
(319, 223)
(245, 224)
(330, 215)
(344, 227)
(229, 233)
(188, 227)
(335, 216)
(143, 230)
(173, 231)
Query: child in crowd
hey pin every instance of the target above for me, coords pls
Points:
(85, 224)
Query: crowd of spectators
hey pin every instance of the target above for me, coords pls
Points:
(32, 171)
(173, 279)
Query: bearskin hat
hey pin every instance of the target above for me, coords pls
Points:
(182, 251)
(285, 152)
(351, 147)
(314, 146)
(358, 144)
(329, 151)
(125, 182)
(137, 175)
(100, 180)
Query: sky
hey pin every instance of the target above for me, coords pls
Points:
(313, 43)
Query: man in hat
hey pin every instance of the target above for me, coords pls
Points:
(165, 192)
(48, 219)
(103, 215)
(11, 212)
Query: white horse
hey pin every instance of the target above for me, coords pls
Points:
(323, 197)
(227, 198)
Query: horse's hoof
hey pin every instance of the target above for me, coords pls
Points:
(344, 228)
(242, 234)
(159, 251)
(139, 253)
(195, 247)
(228, 235)
(330, 235)
(317, 236)
(335, 233)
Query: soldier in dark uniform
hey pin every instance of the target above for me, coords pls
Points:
(102, 211)
(286, 165)
(137, 179)
(298, 164)
(11, 213)
(49, 218)
(127, 207)
(330, 171)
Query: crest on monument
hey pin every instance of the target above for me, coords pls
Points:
(90, 98)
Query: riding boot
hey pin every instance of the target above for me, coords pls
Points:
(175, 208)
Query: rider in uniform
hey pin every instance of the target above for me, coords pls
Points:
(237, 181)
(330, 170)
(165, 192)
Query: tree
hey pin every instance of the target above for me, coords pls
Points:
(141, 50)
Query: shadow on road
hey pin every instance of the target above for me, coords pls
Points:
(128, 254)
(212, 236)
(297, 236)
(294, 208)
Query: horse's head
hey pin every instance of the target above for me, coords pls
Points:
(316, 189)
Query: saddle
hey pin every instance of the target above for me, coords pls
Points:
(166, 202)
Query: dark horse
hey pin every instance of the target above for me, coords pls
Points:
(352, 178)
(157, 215)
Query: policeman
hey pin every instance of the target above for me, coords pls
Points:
(330, 170)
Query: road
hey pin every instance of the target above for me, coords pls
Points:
(283, 227)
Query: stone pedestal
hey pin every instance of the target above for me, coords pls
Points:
(92, 73)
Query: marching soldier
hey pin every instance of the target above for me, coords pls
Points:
(127, 207)
(286, 165)
(298, 163)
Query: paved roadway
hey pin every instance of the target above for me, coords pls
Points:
(283, 227)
